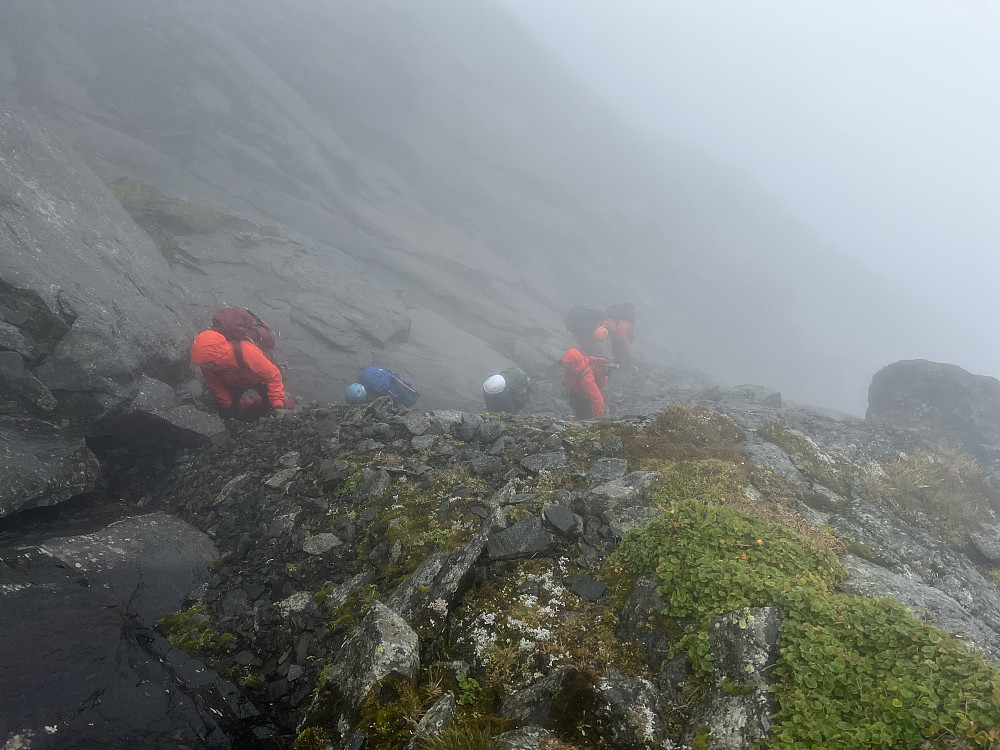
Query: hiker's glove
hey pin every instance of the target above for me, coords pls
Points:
(279, 412)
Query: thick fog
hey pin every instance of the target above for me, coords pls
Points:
(875, 124)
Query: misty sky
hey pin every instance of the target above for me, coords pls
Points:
(876, 123)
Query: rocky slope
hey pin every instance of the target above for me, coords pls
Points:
(697, 577)
(425, 183)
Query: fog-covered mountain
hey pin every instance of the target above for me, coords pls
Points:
(421, 185)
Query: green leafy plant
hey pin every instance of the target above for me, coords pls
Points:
(468, 690)
(853, 673)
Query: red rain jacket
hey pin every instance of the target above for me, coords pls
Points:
(227, 377)
(584, 393)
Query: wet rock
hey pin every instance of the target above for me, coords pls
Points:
(606, 470)
(744, 647)
(747, 395)
(642, 620)
(488, 431)
(445, 420)
(630, 711)
(482, 465)
(439, 717)
(18, 383)
(525, 538)
(383, 645)
(584, 586)
(424, 442)
(416, 423)
(371, 483)
(624, 520)
(154, 416)
(320, 544)
(281, 478)
(987, 542)
(426, 597)
(564, 691)
(614, 447)
(41, 465)
(470, 423)
(563, 520)
(635, 489)
(545, 461)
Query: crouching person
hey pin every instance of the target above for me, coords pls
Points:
(246, 384)
(508, 391)
(583, 378)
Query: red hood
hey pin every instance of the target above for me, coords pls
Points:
(574, 361)
(212, 346)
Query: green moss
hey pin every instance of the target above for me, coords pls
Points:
(311, 738)
(349, 486)
(859, 549)
(388, 713)
(731, 687)
(322, 595)
(191, 631)
(830, 470)
(701, 735)
(852, 672)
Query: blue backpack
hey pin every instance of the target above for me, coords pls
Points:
(380, 382)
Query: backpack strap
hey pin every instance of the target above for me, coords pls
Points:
(238, 353)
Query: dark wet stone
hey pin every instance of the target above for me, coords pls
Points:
(606, 470)
(562, 519)
(583, 585)
(525, 538)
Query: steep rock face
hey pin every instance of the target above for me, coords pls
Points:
(439, 157)
(941, 402)
(89, 311)
(96, 299)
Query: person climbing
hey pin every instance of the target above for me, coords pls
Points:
(375, 382)
(246, 384)
(584, 377)
(623, 334)
(581, 322)
(507, 391)
(599, 343)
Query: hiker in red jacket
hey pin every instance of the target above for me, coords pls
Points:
(584, 383)
(623, 333)
(245, 383)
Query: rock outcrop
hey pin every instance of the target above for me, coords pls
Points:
(941, 402)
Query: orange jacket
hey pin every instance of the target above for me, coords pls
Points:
(225, 374)
(578, 376)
